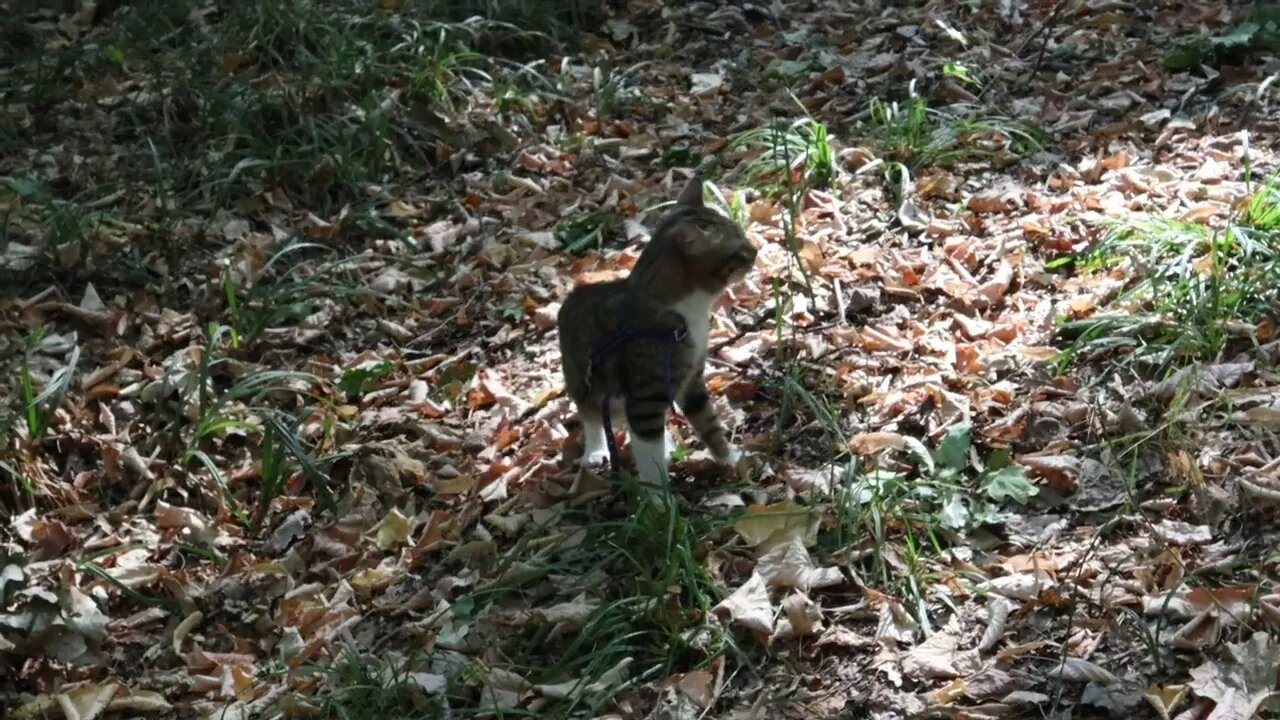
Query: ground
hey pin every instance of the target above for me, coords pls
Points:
(284, 432)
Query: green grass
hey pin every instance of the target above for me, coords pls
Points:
(588, 230)
(917, 135)
(318, 102)
(261, 404)
(1196, 291)
(371, 687)
(787, 154)
(614, 91)
(645, 574)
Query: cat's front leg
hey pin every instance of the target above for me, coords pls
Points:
(695, 404)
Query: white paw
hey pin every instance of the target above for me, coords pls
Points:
(731, 458)
(596, 458)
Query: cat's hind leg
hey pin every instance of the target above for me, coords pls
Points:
(646, 418)
(595, 447)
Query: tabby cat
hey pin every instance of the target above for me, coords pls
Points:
(642, 341)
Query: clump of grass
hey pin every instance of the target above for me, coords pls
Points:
(38, 405)
(362, 687)
(646, 575)
(586, 230)
(1195, 290)
(788, 154)
(257, 404)
(615, 90)
(655, 613)
(291, 285)
(917, 135)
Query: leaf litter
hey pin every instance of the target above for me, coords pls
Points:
(330, 439)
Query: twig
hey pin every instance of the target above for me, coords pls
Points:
(1048, 25)
(1045, 26)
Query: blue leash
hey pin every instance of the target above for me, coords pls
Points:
(671, 338)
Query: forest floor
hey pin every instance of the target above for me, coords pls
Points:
(282, 431)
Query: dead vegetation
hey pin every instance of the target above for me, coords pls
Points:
(282, 434)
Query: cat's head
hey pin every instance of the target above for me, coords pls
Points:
(714, 249)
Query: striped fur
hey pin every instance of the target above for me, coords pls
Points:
(693, 255)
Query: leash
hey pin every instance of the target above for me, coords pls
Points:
(671, 338)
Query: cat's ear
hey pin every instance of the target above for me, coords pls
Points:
(690, 237)
(691, 195)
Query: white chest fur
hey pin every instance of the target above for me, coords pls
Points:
(695, 308)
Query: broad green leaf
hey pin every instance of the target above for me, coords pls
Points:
(917, 448)
(1241, 34)
(1185, 57)
(953, 450)
(1010, 482)
(355, 381)
(954, 514)
(24, 186)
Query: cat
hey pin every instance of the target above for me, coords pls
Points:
(642, 341)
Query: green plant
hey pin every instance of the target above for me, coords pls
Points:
(357, 380)
(1195, 289)
(959, 71)
(36, 406)
(788, 154)
(614, 90)
(1260, 33)
(587, 229)
(244, 407)
(916, 135)
(1262, 211)
(822, 411)
(283, 292)
(356, 686)
(643, 574)
(923, 505)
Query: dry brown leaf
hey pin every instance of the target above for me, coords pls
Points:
(749, 607)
